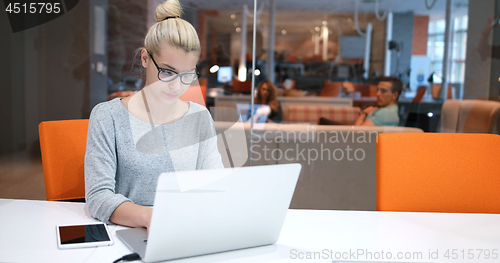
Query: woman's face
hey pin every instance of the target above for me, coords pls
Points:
(264, 92)
(171, 60)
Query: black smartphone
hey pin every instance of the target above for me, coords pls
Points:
(78, 236)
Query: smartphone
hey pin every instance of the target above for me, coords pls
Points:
(79, 236)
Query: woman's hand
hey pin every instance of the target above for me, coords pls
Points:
(132, 215)
(147, 213)
(274, 105)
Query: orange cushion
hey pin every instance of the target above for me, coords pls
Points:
(436, 172)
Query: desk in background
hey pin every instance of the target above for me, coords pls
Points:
(314, 101)
(28, 234)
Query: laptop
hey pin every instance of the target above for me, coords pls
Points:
(261, 112)
(208, 211)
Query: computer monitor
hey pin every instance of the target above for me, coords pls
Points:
(225, 74)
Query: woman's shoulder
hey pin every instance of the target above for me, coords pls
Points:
(106, 110)
(198, 113)
(107, 105)
(195, 107)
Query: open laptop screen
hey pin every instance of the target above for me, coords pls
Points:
(260, 112)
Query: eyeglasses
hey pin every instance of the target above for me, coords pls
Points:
(168, 75)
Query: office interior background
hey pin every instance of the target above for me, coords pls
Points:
(319, 53)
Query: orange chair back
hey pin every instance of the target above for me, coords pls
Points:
(420, 94)
(366, 90)
(63, 146)
(331, 89)
(242, 86)
(438, 172)
(436, 88)
(196, 94)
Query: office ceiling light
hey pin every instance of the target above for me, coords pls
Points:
(242, 74)
(324, 23)
(430, 114)
(283, 32)
(257, 72)
(238, 30)
(214, 68)
(233, 16)
(316, 29)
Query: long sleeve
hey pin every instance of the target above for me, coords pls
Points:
(101, 165)
(209, 156)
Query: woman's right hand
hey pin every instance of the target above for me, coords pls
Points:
(148, 212)
(132, 215)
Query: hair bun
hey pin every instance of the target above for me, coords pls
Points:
(168, 8)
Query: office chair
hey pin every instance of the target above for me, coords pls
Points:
(437, 172)
(420, 94)
(470, 116)
(331, 89)
(196, 93)
(436, 88)
(63, 146)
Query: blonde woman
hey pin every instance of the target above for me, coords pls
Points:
(267, 95)
(131, 141)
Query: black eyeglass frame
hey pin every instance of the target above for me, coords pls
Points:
(160, 70)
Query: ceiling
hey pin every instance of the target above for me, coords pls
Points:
(338, 6)
(296, 16)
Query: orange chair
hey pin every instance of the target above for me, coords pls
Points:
(420, 94)
(63, 146)
(330, 89)
(366, 90)
(436, 88)
(436, 172)
(196, 94)
(239, 86)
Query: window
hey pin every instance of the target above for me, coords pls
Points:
(435, 48)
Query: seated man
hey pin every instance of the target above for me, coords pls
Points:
(386, 112)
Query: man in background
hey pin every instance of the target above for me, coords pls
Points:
(386, 112)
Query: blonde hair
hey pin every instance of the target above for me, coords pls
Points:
(171, 29)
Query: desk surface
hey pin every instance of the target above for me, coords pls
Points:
(28, 234)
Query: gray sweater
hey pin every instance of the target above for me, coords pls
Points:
(125, 155)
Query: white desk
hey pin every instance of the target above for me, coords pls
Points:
(28, 234)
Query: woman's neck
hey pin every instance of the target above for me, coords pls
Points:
(161, 112)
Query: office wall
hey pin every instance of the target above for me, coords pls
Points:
(478, 68)
(43, 74)
(420, 35)
(402, 31)
(127, 26)
(11, 89)
(377, 60)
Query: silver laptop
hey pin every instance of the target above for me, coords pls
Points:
(208, 211)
